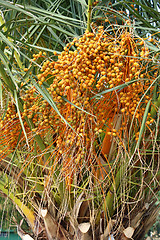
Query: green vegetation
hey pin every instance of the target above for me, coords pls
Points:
(7, 210)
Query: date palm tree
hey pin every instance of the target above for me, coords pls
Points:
(79, 126)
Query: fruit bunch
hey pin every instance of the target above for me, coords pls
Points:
(96, 81)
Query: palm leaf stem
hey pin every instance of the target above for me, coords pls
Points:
(89, 18)
(153, 108)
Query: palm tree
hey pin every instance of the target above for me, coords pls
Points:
(80, 117)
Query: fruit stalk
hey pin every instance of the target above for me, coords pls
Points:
(89, 18)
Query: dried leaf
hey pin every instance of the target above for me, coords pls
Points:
(44, 212)
(27, 237)
(128, 232)
(53, 229)
(137, 219)
(76, 208)
(84, 227)
(22, 234)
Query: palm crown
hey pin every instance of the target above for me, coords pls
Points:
(79, 127)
